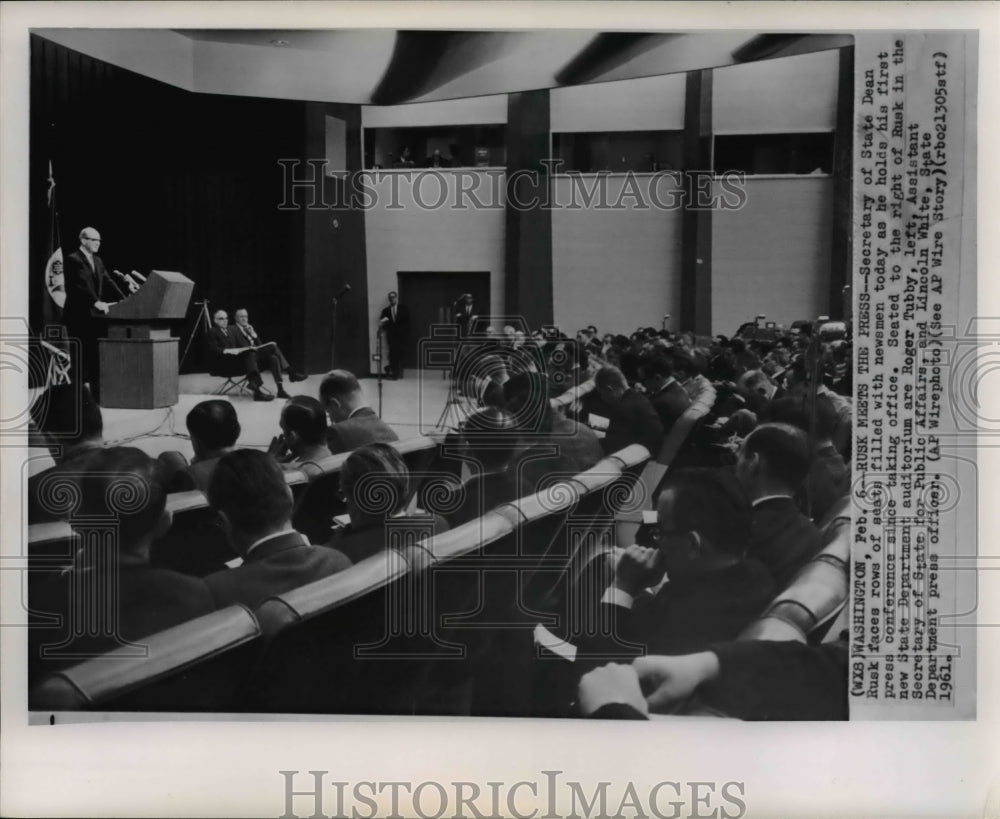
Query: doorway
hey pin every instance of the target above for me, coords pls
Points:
(430, 298)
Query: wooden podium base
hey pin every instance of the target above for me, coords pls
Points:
(138, 373)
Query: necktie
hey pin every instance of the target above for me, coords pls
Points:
(393, 315)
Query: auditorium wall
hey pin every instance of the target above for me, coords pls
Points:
(617, 267)
(403, 231)
(773, 255)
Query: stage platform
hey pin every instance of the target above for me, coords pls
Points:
(411, 406)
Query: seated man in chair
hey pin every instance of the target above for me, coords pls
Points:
(269, 355)
(230, 358)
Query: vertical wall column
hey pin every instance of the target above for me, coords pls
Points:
(842, 249)
(528, 243)
(334, 247)
(696, 226)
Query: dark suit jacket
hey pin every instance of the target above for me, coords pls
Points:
(219, 340)
(689, 613)
(464, 321)
(85, 285)
(150, 600)
(782, 538)
(670, 403)
(634, 421)
(363, 427)
(396, 329)
(276, 566)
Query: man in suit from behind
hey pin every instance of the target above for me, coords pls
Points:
(668, 397)
(394, 321)
(125, 485)
(249, 493)
(90, 293)
(772, 466)
(354, 423)
(268, 357)
(229, 357)
(633, 419)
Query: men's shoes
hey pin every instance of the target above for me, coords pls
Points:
(262, 396)
(282, 394)
(294, 376)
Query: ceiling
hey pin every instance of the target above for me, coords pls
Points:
(390, 67)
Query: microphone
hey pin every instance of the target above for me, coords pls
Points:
(345, 289)
(139, 276)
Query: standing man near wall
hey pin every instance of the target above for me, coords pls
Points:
(394, 321)
(89, 291)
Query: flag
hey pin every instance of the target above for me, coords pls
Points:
(55, 284)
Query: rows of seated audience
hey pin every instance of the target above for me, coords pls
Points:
(736, 515)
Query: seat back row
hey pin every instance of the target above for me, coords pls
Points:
(323, 647)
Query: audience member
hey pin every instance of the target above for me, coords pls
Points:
(490, 440)
(214, 429)
(303, 440)
(667, 396)
(772, 466)
(375, 486)
(712, 590)
(354, 423)
(125, 485)
(249, 493)
(829, 478)
(69, 423)
(633, 419)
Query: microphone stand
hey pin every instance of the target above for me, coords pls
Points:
(378, 366)
(333, 336)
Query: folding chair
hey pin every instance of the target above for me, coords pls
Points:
(240, 383)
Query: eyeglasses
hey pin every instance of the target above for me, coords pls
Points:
(91, 238)
(658, 534)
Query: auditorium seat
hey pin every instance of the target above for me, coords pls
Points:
(194, 667)
(655, 471)
(320, 501)
(353, 642)
(817, 595)
(51, 548)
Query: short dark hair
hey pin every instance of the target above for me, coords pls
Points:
(656, 364)
(784, 449)
(68, 414)
(383, 477)
(214, 423)
(249, 486)
(124, 483)
(492, 437)
(794, 410)
(338, 384)
(305, 416)
(711, 502)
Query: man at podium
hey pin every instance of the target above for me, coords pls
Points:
(89, 295)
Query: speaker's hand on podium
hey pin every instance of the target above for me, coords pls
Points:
(103, 306)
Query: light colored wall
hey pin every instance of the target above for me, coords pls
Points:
(777, 96)
(401, 235)
(487, 110)
(615, 268)
(773, 255)
(646, 104)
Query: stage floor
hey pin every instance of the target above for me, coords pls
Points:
(411, 406)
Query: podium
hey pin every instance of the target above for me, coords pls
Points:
(139, 357)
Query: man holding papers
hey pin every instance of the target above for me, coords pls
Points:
(234, 352)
